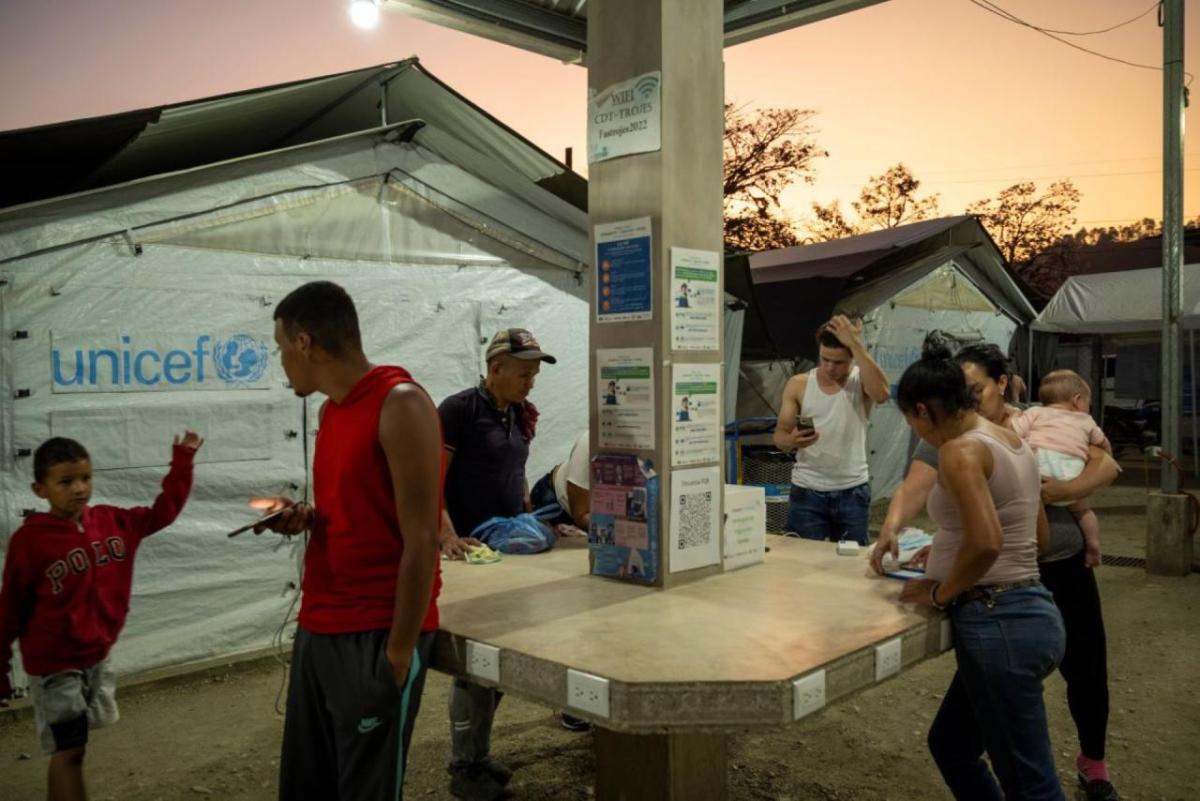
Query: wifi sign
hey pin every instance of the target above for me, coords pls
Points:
(646, 86)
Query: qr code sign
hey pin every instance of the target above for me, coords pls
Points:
(695, 511)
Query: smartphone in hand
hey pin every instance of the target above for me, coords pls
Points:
(264, 519)
(804, 424)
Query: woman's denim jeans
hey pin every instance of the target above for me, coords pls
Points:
(1004, 646)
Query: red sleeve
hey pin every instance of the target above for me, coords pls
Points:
(144, 521)
(12, 612)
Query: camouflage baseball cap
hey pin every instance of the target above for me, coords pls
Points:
(519, 343)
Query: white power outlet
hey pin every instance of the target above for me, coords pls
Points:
(887, 659)
(808, 694)
(483, 661)
(587, 693)
(947, 638)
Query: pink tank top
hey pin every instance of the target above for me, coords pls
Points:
(1016, 492)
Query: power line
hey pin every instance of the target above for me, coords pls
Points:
(1054, 164)
(1008, 16)
(1020, 21)
(1026, 178)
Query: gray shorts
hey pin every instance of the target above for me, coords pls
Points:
(67, 704)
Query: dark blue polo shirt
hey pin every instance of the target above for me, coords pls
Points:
(487, 472)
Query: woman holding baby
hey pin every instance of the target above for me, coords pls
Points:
(1065, 563)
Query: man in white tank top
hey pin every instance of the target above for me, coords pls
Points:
(823, 420)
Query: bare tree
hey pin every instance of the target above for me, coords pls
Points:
(765, 153)
(1024, 222)
(886, 201)
(828, 222)
(890, 200)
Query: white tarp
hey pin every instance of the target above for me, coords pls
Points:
(944, 300)
(433, 275)
(1117, 303)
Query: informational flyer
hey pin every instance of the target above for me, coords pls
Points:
(623, 535)
(625, 118)
(695, 516)
(625, 381)
(695, 414)
(624, 286)
(695, 300)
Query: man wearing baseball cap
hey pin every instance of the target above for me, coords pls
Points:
(487, 430)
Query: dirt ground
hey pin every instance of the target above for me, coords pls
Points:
(218, 737)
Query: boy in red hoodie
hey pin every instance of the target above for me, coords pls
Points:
(67, 580)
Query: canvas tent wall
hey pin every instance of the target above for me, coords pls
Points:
(1125, 307)
(131, 311)
(942, 274)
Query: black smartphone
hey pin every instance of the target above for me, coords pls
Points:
(804, 424)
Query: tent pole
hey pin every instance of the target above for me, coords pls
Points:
(1192, 359)
(1029, 369)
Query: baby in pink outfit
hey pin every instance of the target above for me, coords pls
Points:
(1060, 431)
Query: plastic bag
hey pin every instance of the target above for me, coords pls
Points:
(522, 534)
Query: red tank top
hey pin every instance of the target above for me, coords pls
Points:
(356, 544)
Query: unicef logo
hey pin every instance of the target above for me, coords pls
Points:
(241, 359)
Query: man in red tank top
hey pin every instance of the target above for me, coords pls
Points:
(368, 613)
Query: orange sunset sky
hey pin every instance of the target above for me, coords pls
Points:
(969, 102)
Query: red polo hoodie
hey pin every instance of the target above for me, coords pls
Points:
(67, 585)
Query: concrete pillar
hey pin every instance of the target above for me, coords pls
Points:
(1169, 549)
(679, 187)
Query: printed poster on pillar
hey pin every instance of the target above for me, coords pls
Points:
(625, 118)
(158, 361)
(624, 281)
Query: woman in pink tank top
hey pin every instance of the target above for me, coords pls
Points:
(982, 570)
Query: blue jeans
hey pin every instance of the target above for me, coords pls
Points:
(1004, 648)
(836, 515)
(543, 495)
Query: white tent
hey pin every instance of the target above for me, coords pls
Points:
(943, 274)
(1123, 302)
(131, 311)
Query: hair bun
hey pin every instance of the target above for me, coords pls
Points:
(936, 347)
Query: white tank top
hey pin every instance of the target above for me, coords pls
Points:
(838, 459)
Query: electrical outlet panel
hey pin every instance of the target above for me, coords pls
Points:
(808, 694)
(947, 638)
(587, 693)
(887, 659)
(483, 661)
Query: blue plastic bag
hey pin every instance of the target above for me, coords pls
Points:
(524, 533)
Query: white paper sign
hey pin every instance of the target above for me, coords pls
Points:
(625, 382)
(695, 300)
(695, 515)
(625, 118)
(695, 414)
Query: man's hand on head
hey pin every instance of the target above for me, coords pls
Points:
(847, 331)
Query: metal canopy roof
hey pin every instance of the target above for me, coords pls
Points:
(558, 28)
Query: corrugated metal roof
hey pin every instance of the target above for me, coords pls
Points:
(558, 28)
